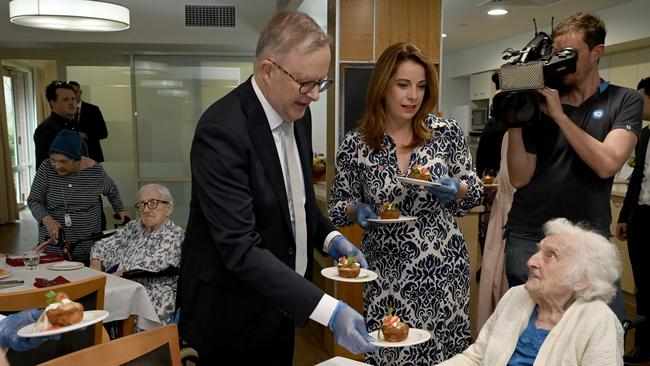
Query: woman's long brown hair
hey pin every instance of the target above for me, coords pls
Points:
(372, 124)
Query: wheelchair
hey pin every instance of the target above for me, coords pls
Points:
(629, 324)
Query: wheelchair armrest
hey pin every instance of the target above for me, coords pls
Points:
(634, 322)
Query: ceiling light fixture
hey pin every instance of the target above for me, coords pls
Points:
(70, 15)
(497, 12)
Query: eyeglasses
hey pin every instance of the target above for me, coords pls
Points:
(306, 86)
(151, 204)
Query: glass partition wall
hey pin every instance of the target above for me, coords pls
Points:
(151, 110)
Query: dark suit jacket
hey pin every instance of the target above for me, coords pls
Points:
(91, 122)
(237, 283)
(634, 188)
(46, 132)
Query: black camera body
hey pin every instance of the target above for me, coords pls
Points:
(535, 66)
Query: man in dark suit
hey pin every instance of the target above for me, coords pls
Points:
(61, 98)
(92, 127)
(254, 221)
(633, 226)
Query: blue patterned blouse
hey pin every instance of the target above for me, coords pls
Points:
(134, 248)
(423, 265)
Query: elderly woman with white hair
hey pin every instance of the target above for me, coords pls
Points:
(147, 250)
(560, 315)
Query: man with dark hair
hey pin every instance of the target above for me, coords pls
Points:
(633, 226)
(564, 164)
(61, 97)
(254, 222)
(92, 126)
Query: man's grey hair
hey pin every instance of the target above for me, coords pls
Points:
(286, 31)
(594, 260)
(163, 191)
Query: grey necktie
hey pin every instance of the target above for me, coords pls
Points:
(295, 194)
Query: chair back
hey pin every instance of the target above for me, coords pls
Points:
(158, 346)
(89, 292)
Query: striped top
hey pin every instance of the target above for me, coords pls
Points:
(77, 194)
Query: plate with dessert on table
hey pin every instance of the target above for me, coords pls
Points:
(60, 316)
(395, 333)
(420, 176)
(348, 270)
(390, 214)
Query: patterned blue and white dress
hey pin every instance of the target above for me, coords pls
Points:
(423, 266)
(133, 247)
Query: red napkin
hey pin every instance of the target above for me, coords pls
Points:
(47, 258)
(42, 282)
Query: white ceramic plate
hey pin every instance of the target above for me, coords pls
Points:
(416, 336)
(398, 220)
(90, 317)
(5, 273)
(332, 273)
(418, 182)
(65, 266)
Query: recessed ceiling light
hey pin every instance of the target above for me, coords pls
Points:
(444, 35)
(497, 12)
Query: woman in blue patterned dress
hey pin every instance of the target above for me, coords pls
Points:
(146, 250)
(423, 265)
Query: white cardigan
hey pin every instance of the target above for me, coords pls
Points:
(588, 334)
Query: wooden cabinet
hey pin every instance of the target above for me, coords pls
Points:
(367, 27)
(481, 86)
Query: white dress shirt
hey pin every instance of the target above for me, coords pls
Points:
(325, 308)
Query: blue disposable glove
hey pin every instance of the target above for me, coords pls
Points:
(350, 331)
(363, 212)
(342, 247)
(447, 189)
(10, 325)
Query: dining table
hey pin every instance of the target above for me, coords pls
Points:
(125, 300)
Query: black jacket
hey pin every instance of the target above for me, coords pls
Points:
(92, 123)
(634, 188)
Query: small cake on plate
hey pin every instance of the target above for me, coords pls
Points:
(393, 329)
(419, 172)
(348, 267)
(61, 311)
(389, 210)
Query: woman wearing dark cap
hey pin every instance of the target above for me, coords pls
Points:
(64, 196)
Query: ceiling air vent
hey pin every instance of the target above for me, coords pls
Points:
(220, 16)
(520, 2)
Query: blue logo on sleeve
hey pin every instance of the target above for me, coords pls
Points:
(598, 114)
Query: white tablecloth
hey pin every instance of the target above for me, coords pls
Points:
(122, 297)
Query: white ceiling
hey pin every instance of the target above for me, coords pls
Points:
(158, 25)
(467, 24)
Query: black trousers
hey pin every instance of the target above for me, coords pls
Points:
(279, 352)
(638, 246)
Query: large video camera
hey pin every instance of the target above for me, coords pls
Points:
(535, 66)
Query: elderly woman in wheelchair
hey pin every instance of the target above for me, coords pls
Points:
(560, 315)
(146, 250)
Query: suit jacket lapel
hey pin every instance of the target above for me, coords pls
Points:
(261, 135)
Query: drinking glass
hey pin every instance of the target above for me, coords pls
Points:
(31, 260)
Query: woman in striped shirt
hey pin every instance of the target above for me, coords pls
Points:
(64, 193)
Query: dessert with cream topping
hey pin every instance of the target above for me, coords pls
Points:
(348, 267)
(419, 172)
(60, 312)
(389, 211)
(392, 328)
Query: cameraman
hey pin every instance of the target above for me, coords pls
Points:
(564, 165)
